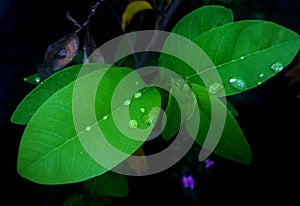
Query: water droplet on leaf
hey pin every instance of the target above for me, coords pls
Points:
(238, 84)
(127, 102)
(261, 75)
(88, 128)
(215, 88)
(142, 110)
(105, 117)
(37, 79)
(133, 124)
(137, 95)
(242, 57)
(276, 67)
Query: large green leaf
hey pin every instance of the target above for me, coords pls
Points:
(45, 90)
(244, 51)
(51, 151)
(202, 20)
(110, 184)
(232, 143)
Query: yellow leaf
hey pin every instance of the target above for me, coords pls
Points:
(131, 10)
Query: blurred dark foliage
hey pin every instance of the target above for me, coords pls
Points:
(269, 114)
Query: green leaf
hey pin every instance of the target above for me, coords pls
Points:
(33, 79)
(202, 20)
(74, 199)
(246, 50)
(173, 119)
(60, 142)
(108, 184)
(232, 143)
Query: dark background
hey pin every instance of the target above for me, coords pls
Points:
(269, 114)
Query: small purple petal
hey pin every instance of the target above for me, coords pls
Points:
(188, 182)
(209, 163)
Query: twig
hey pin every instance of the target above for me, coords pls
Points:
(94, 8)
(170, 12)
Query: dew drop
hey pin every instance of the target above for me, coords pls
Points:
(133, 124)
(215, 88)
(105, 117)
(276, 67)
(88, 128)
(142, 110)
(137, 95)
(136, 83)
(81, 153)
(127, 102)
(261, 75)
(238, 84)
(25, 79)
(37, 79)
(258, 83)
(242, 57)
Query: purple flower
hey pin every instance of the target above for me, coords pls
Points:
(188, 182)
(208, 163)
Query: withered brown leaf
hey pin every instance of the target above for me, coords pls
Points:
(62, 52)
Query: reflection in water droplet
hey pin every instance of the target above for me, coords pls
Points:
(238, 84)
(276, 67)
(133, 124)
(137, 95)
(258, 83)
(142, 110)
(105, 117)
(261, 75)
(37, 79)
(242, 57)
(215, 88)
(88, 128)
(127, 102)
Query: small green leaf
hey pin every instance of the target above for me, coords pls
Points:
(232, 144)
(33, 79)
(74, 200)
(202, 20)
(108, 184)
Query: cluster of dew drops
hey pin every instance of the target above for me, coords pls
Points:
(214, 88)
(239, 83)
(133, 124)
